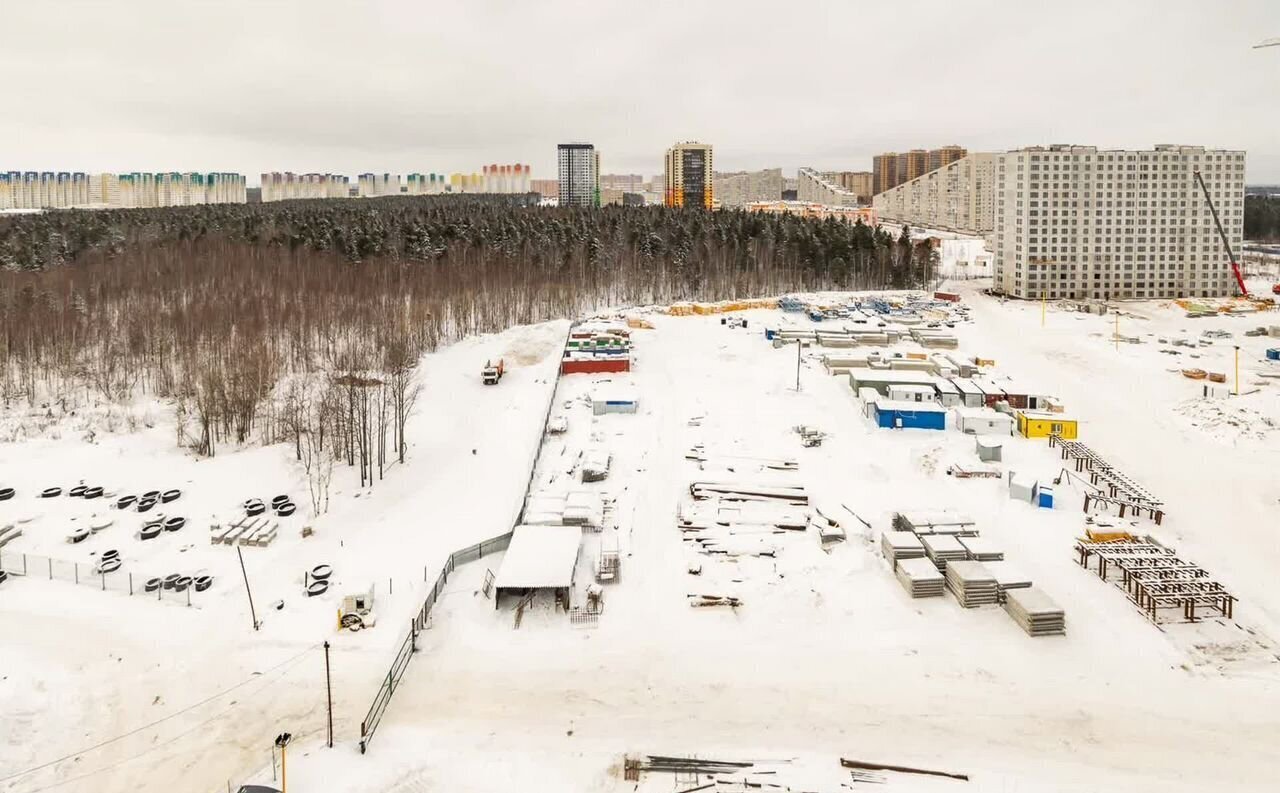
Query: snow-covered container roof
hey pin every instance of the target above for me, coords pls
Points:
(540, 557)
(908, 407)
(912, 388)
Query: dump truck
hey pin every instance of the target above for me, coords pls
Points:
(492, 372)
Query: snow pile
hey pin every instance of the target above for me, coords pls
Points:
(1228, 422)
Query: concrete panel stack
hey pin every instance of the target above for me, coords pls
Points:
(972, 585)
(920, 578)
(1035, 612)
(897, 545)
(981, 549)
(943, 549)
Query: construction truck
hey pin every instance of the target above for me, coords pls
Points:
(492, 372)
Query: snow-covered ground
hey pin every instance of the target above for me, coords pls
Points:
(196, 692)
(827, 656)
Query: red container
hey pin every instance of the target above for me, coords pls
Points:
(950, 297)
(603, 363)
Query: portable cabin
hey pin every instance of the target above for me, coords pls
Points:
(970, 395)
(881, 379)
(948, 394)
(613, 402)
(1034, 424)
(991, 393)
(895, 414)
(1273, 354)
(592, 363)
(983, 421)
(912, 392)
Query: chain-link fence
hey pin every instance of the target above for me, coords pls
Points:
(109, 576)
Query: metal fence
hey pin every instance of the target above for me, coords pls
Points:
(369, 725)
(89, 575)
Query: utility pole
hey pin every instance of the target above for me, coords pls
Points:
(1237, 370)
(282, 740)
(799, 344)
(328, 685)
(1117, 331)
(1042, 308)
(252, 612)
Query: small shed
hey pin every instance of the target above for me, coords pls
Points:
(869, 397)
(603, 402)
(990, 450)
(1034, 424)
(539, 558)
(881, 379)
(896, 414)
(912, 392)
(1021, 487)
(983, 421)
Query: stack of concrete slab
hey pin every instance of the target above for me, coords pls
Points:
(1035, 612)
(971, 584)
(897, 545)
(943, 549)
(1007, 576)
(920, 578)
(981, 549)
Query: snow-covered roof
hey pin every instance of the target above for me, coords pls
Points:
(892, 376)
(912, 388)
(540, 557)
(984, 413)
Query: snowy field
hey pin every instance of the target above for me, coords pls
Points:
(825, 657)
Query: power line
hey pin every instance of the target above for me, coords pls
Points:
(135, 731)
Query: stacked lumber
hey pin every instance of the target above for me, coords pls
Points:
(971, 584)
(1035, 612)
(943, 549)
(920, 578)
(981, 549)
(897, 545)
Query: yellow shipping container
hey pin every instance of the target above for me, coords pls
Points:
(1042, 425)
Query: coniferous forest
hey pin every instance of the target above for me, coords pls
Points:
(302, 320)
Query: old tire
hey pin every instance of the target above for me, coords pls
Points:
(151, 531)
(6, 493)
(125, 502)
(51, 492)
(279, 501)
(145, 504)
(77, 491)
(111, 554)
(98, 525)
(152, 585)
(317, 588)
(254, 506)
(170, 495)
(78, 535)
(151, 495)
(168, 581)
(202, 582)
(182, 583)
(321, 572)
(93, 492)
(285, 510)
(108, 566)
(174, 523)
(3, 576)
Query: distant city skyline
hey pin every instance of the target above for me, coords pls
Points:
(770, 85)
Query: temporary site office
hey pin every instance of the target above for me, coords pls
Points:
(895, 414)
(983, 421)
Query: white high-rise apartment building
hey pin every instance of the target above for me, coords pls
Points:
(1076, 222)
(578, 169)
(815, 188)
(378, 184)
(277, 186)
(958, 196)
(61, 190)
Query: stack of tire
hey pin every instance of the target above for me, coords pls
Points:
(318, 580)
(283, 505)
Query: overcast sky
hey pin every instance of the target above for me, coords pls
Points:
(436, 85)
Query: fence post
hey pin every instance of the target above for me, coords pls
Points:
(104, 580)
(24, 564)
(50, 558)
(131, 585)
(76, 567)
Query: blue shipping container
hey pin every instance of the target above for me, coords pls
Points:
(891, 418)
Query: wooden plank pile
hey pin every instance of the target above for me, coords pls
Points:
(972, 585)
(920, 578)
(1035, 612)
(943, 549)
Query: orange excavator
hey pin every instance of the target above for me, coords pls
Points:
(1235, 268)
